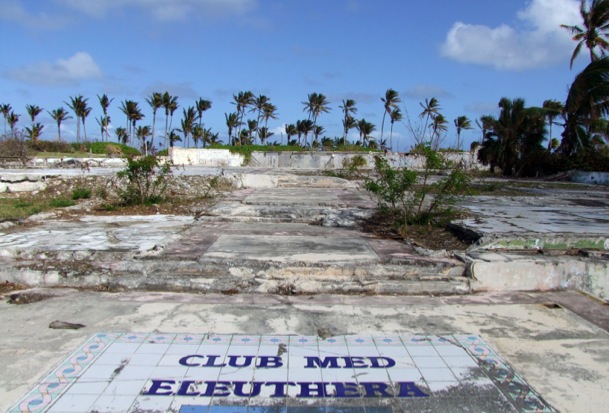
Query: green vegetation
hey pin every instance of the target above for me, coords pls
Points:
(17, 208)
(411, 198)
(146, 179)
(81, 193)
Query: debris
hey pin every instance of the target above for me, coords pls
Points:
(64, 325)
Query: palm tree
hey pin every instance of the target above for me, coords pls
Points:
(390, 102)
(485, 123)
(189, 117)
(12, 119)
(264, 134)
(202, 105)
(59, 115)
(86, 110)
(269, 111)
(461, 123)
(595, 29)
(35, 131)
(133, 113)
(252, 127)
(142, 133)
(155, 100)
(121, 135)
(587, 103)
(170, 103)
(258, 104)
(78, 104)
(396, 116)
(431, 108)
(348, 107)
(439, 123)
(520, 132)
(232, 123)
(5, 109)
(104, 124)
(173, 137)
(242, 100)
(290, 130)
(304, 128)
(315, 105)
(365, 130)
(317, 130)
(33, 111)
(552, 108)
(104, 102)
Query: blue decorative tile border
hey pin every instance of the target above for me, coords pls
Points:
(195, 373)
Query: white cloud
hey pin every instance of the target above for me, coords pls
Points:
(13, 10)
(539, 42)
(165, 10)
(68, 71)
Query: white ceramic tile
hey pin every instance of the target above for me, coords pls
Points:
(145, 359)
(87, 387)
(152, 404)
(437, 375)
(465, 361)
(74, 403)
(404, 374)
(135, 372)
(125, 387)
(123, 348)
(169, 372)
(113, 404)
(451, 351)
(97, 372)
(422, 351)
(152, 348)
(111, 358)
(429, 362)
(182, 349)
(368, 375)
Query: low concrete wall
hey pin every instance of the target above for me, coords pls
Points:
(499, 272)
(306, 160)
(595, 178)
(205, 157)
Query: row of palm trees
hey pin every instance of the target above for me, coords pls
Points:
(241, 131)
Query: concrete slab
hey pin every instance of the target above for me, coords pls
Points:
(543, 337)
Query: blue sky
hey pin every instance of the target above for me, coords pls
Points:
(466, 53)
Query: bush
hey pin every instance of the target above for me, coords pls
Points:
(62, 203)
(146, 180)
(50, 146)
(106, 148)
(399, 194)
(15, 149)
(81, 193)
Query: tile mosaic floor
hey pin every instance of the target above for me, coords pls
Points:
(266, 374)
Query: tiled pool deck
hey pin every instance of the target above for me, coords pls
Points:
(185, 373)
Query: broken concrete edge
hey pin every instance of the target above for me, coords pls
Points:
(540, 242)
(482, 272)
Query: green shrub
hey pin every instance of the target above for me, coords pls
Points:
(81, 193)
(411, 198)
(146, 180)
(62, 203)
(106, 148)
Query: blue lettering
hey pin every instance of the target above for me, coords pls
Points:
(376, 389)
(355, 362)
(375, 361)
(331, 361)
(269, 362)
(232, 361)
(316, 390)
(344, 390)
(409, 389)
(158, 385)
(280, 387)
(217, 389)
(255, 388)
(184, 360)
(211, 362)
(185, 386)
